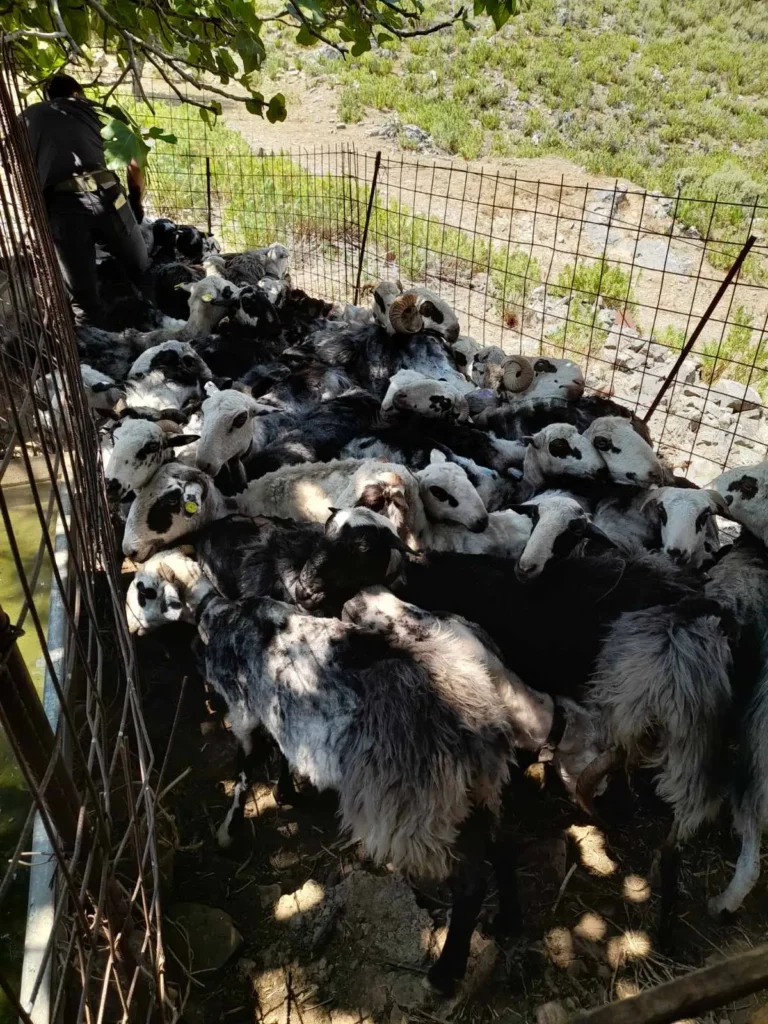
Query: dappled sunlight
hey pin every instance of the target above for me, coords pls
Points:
(307, 898)
(591, 927)
(629, 946)
(591, 844)
(559, 946)
(311, 501)
(636, 889)
(626, 988)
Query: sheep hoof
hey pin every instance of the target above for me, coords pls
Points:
(439, 981)
(504, 926)
(718, 908)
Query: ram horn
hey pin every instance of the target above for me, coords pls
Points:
(518, 374)
(590, 779)
(404, 314)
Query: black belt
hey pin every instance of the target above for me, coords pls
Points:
(88, 182)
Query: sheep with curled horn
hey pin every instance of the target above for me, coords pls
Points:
(413, 311)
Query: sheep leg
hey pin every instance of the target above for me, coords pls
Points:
(469, 883)
(669, 867)
(234, 823)
(285, 788)
(504, 861)
(746, 874)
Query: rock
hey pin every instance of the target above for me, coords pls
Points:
(606, 318)
(413, 133)
(269, 895)
(634, 344)
(689, 231)
(210, 932)
(734, 395)
(293, 905)
(329, 53)
(340, 126)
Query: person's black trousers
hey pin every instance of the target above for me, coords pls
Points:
(78, 221)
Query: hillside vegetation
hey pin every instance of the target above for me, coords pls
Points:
(670, 95)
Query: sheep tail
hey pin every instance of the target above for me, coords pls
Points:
(662, 688)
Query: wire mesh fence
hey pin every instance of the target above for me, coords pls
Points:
(83, 840)
(608, 275)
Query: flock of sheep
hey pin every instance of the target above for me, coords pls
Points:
(408, 556)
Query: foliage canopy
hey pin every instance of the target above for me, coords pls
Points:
(215, 44)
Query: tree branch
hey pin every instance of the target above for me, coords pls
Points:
(59, 22)
(437, 27)
(29, 33)
(411, 15)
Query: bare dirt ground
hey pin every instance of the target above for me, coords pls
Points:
(329, 939)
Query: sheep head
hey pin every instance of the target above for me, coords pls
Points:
(227, 430)
(744, 490)
(686, 520)
(448, 495)
(140, 447)
(629, 458)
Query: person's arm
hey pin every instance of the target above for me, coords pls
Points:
(136, 178)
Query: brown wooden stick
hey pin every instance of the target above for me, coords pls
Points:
(690, 995)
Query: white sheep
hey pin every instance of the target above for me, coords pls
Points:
(629, 458)
(560, 455)
(686, 517)
(139, 448)
(745, 491)
(412, 392)
(166, 376)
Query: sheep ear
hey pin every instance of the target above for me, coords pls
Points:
(184, 286)
(436, 457)
(528, 440)
(717, 501)
(597, 534)
(652, 497)
(179, 440)
(532, 511)
(333, 510)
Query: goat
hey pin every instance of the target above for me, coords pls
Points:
(415, 738)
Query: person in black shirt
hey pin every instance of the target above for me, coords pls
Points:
(86, 203)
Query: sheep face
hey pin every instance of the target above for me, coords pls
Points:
(359, 546)
(630, 459)
(558, 525)
(228, 430)
(210, 300)
(560, 450)
(745, 493)
(377, 608)
(384, 294)
(175, 502)
(556, 378)
(464, 351)
(430, 399)
(487, 366)
(257, 309)
(688, 528)
(140, 448)
(152, 601)
(448, 496)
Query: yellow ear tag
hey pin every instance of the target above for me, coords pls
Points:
(207, 297)
(190, 507)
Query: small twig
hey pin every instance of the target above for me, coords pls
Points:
(437, 27)
(244, 865)
(175, 782)
(564, 885)
(398, 966)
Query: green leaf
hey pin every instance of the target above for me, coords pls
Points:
(215, 107)
(207, 116)
(155, 132)
(121, 145)
(304, 37)
(362, 45)
(382, 38)
(251, 50)
(224, 57)
(311, 10)
(255, 105)
(276, 110)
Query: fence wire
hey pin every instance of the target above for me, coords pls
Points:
(85, 758)
(608, 275)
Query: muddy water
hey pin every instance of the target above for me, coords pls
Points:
(14, 799)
